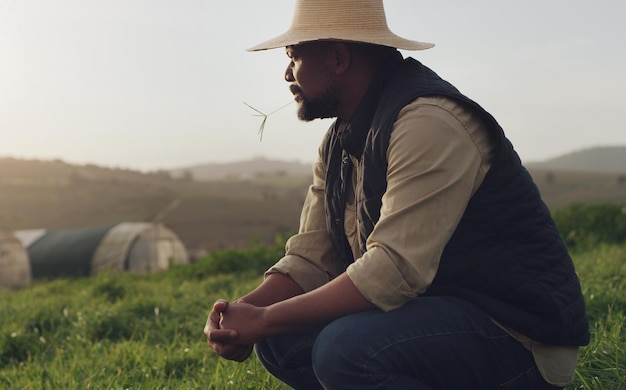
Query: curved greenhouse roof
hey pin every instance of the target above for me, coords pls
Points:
(139, 247)
(14, 264)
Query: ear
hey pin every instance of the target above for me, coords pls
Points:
(342, 57)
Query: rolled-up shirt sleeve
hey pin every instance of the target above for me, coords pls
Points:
(310, 259)
(437, 158)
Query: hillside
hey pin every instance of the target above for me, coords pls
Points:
(605, 159)
(206, 215)
(209, 214)
(601, 159)
(241, 170)
(562, 188)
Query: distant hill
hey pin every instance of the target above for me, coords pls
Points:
(38, 194)
(243, 170)
(233, 205)
(603, 159)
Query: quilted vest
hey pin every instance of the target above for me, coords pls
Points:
(506, 254)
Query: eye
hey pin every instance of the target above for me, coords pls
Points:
(292, 54)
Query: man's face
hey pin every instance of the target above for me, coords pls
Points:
(311, 80)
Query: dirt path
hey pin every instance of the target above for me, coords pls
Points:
(158, 217)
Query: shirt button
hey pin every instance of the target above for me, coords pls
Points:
(345, 159)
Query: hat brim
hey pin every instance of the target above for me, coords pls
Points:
(295, 37)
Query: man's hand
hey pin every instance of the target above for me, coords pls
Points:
(224, 339)
(220, 340)
(247, 320)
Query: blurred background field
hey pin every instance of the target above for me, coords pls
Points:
(129, 331)
(236, 205)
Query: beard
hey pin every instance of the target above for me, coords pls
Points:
(326, 106)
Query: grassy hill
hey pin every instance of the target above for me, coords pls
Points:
(208, 214)
(131, 331)
(145, 331)
(562, 188)
(603, 159)
(256, 168)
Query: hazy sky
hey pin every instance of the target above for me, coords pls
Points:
(157, 84)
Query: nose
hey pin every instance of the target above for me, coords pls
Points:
(289, 73)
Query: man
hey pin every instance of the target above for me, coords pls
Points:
(425, 258)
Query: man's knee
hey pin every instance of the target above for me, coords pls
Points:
(335, 356)
(265, 353)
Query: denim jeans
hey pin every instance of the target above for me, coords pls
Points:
(429, 343)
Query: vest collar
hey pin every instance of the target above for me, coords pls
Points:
(352, 138)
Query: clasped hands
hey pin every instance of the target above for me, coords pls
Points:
(232, 328)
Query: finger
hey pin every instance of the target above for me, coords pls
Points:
(215, 346)
(212, 322)
(238, 353)
(239, 356)
(208, 328)
(221, 335)
(234, 352)
(214, 319)
(220, 305)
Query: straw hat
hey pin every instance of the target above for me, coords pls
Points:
(341, 20)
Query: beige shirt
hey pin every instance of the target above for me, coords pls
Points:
(432, 173)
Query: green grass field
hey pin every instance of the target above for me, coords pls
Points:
(145, 332)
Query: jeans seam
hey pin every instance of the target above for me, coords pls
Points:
(521, 374)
